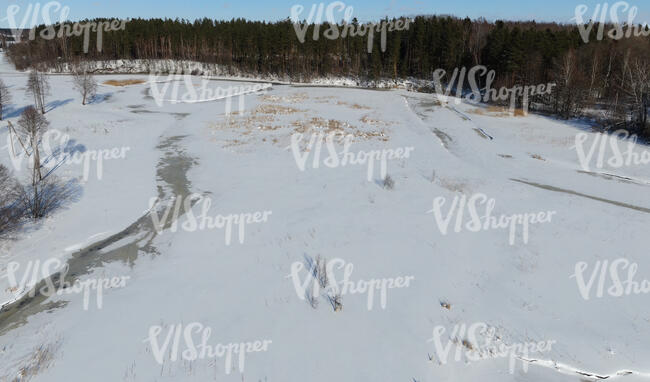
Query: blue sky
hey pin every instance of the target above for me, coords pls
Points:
(545, 10)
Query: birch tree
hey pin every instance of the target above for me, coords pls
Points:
(38, 86)
(38, 198)
(636, 85)
(85, 83)
(32, 126)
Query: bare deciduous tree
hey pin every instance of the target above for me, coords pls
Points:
(32, 126)
(44, 196)
(84, 82)
(478, 38)
(38, 86)
(5, 97)
(636, 86)
(571, 89)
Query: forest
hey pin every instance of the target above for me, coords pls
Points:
(605, 79)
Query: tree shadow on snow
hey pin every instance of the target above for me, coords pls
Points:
(99, 98)
(13, 112)
(63, 153)
(58, 103)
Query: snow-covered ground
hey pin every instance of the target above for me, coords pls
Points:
(239, 283)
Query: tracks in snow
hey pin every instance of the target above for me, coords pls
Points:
(570, 370)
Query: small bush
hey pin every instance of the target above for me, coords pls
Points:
(40, 198)
(389, 183)
(311, 299)
(321, 272)
(336, 301)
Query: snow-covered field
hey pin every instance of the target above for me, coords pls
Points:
(239, 282)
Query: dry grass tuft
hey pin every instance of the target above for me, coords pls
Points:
(317, 124)
(498, 111)
(367, 120)
(452, 185)
(275, 110)
(266, 118)
(468, 345)
(324, 99)
(39, 360)
(123, 82)
(355, 106)
(250, 121)
(291, 98)
(328, 126)
(520, 113)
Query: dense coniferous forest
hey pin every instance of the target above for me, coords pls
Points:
(609, 76)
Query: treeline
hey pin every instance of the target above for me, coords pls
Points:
(274, 48)
(608, 75)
